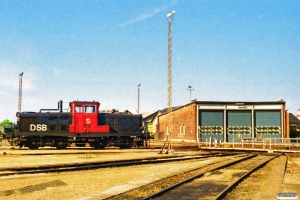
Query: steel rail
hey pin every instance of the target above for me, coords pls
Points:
(196, 176)
(97, 165)
(222, 194)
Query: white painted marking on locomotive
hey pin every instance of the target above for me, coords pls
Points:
(38, 127)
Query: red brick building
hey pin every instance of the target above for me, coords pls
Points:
(184, 122)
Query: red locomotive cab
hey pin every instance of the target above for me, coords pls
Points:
(85, 118)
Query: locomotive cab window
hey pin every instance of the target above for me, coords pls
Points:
(78, 109)
(89, 109)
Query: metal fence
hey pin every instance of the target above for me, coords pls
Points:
(276, 144)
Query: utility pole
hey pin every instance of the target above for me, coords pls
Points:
(20, 91)
(168, 141)
(139, 97)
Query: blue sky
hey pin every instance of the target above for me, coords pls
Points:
(243, 50)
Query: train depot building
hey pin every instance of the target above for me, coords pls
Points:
(199, 121)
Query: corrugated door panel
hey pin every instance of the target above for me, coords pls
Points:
(239, 118)
(267, 118)
(211, 118)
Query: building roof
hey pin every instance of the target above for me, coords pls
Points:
(151, 116)
(293, 119)
(165, 110)
(241, 102)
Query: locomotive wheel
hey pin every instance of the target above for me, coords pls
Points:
(125, 146)
(80, 145)
(33, 146)
(99, 145)
(62, 146)
(22, 144)
(92, 144)
(61, 143)
(125, 143)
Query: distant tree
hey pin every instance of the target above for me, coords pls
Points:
(5, 122)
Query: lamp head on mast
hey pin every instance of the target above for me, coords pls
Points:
(170, 15)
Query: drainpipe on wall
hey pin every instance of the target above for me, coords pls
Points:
(287, 125)
(197, 125)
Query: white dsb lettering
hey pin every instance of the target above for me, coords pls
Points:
(32, 127)
(38, 127)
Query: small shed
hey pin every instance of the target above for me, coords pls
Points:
(150, 124)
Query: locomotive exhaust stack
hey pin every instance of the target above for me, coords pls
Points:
(59, 107)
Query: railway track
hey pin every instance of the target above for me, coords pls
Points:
(96, 165)
(214, 183)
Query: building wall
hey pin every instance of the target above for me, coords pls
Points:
(184, 123)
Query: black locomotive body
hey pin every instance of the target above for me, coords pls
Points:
(83, 125)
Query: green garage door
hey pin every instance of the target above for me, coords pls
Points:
(238, 124)
(268, 124)
(211, 124)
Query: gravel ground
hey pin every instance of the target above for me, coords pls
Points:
(11, 157)
(10, 160)
(73, 185)
(82, 185)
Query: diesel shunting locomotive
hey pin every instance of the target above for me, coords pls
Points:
(83, 124)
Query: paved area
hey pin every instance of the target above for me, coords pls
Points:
(274, 184)
(292, 177)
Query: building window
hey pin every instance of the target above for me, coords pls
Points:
(182, 129)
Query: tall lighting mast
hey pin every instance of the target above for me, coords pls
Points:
(20, 91)
(170, 16)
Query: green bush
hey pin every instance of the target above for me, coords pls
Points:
(5, 122)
